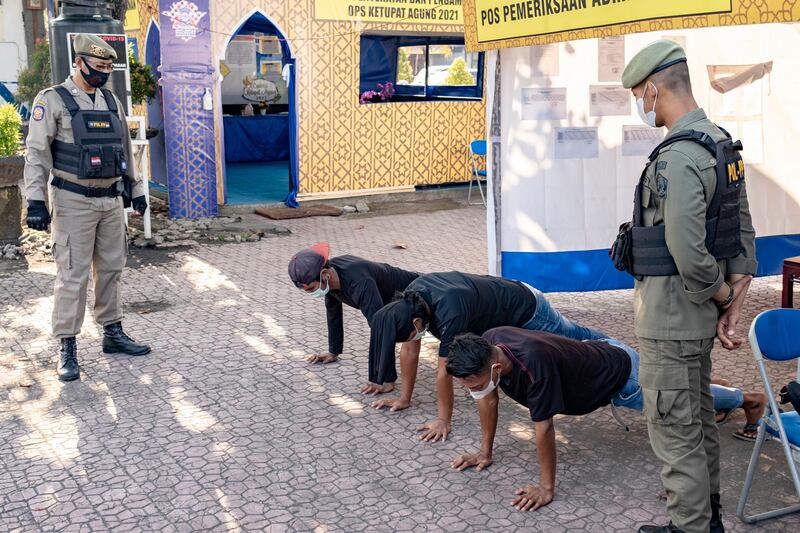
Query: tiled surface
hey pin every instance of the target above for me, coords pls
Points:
(224, 427)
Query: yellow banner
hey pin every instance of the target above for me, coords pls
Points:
(132, 16)
(491, 24)
(392, 11)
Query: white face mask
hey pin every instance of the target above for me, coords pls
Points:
(648, 117)
(420, 334)
(320, 292)
(486, 390)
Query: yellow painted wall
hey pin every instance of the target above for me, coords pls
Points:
(345, 146)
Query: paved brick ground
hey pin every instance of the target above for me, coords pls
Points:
(224, 427)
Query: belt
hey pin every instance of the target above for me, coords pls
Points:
(89, 192)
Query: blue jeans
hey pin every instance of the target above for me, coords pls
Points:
(546, 318)
(630, 395)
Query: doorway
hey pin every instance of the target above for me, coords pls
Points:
(155, 110)
(258, 114)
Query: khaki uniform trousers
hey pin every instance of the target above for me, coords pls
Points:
(88, 233)
(676, 380)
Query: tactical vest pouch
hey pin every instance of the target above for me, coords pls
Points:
(621, 252)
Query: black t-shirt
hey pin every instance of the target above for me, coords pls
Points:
(365, 285)
(556, 375)
(468, 303)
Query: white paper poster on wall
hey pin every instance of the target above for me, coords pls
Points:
(640, 141)
(610, 59)
(609, 101)
(576, 143)
(544, 59)
(544, 104)
(680, 40)
(740, 111)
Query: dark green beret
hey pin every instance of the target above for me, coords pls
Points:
(88, 44)
(653, 58)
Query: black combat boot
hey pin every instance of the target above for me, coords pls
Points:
(669, 528)
(715, 526)
(68, 369)
(116, 341)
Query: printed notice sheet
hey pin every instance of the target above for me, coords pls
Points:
(610, 59)
(544, 59)
(640, 141)
(576, 143)
(544, 104)
(609, 100)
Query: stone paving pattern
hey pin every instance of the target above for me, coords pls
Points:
(224, 427)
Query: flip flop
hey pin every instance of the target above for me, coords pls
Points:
(741, 433)
(726, 414)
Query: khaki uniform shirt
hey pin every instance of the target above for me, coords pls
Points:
(51, 120)
(678, 187)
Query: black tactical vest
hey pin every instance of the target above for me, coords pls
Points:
(642, 251)
(98, 150)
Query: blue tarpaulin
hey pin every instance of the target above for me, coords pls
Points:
(256, 138)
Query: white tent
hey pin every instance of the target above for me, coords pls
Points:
(569, 146)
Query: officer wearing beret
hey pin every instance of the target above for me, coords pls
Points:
(678, 315)
(78, 150)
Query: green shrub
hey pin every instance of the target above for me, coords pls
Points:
(10, 123)
(37, 77)
(143, 84)
(458, 74)
(404, 71)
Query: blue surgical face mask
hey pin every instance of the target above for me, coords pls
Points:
(320, 292)
(486, 390)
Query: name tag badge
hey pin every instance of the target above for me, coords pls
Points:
(96, 161)
(99, 125)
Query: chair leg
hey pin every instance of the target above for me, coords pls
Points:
(752, 468)
(480, 190)
(786, 293)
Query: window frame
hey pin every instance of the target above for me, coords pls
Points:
(407, 93)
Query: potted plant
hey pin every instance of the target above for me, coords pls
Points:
(385, 92)
(143, 87)
(11, 171)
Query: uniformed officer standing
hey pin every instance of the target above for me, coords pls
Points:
(693, 273)
(79, 141)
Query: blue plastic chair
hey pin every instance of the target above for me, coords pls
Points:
(477, 149)
(775, 336)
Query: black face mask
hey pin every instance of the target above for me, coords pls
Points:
(95, 78)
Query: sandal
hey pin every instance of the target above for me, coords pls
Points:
(725, 413)
(744, 433)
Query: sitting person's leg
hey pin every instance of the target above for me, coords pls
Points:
(547, 318)
(726, 398)
(753, 405)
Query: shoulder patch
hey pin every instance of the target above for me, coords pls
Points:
(38, 112)
(661, 165)
(661, 186)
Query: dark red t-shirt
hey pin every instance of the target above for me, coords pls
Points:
(556, 375)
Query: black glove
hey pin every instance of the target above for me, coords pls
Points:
(38, 217)
(139, 204)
